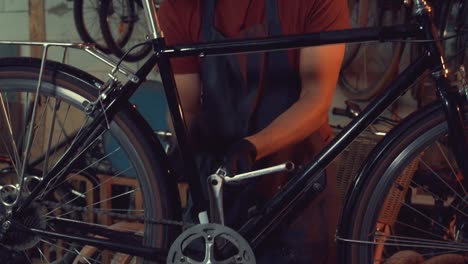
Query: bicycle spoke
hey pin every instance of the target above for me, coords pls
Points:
(62, 128)
(443, 181)
(439, 198)
(414, 243)
(27, 257)
(418, 229)
(110, 198)
(402, 241)
(426, 216)
(49, 140)
(94, 188)
(43, 257)
(451, 168)
(74, 251)
(52, 182)
(15, 158)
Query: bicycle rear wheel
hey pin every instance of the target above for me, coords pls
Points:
(412, 205)
(116, 14)
(126, 215)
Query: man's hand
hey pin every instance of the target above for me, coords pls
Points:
(240, 157)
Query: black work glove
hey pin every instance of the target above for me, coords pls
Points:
(240, 157)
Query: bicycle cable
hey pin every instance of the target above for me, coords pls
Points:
(147, 42)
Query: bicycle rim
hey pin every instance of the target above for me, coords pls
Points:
(413, 205)
(125, 200)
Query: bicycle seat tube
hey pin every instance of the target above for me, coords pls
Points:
(173, 100)
(449, 95)
(152, 19)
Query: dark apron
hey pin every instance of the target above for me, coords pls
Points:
(236, 105)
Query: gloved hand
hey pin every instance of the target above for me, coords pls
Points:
(240, 157)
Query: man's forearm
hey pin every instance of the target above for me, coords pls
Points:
(294, 125)
(310, 112)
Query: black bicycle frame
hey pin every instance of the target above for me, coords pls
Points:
(300, 189)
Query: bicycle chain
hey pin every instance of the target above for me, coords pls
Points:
(97, 211)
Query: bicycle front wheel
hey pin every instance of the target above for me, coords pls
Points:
(413, 205)
(90, 196)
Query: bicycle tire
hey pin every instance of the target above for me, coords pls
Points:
(366, 76)
(88, 28)
(127, 12)
(359, 16)
(63, 93)
(404, 205)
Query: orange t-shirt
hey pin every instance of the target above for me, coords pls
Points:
(180, 21)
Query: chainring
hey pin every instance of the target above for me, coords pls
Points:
(210, 243)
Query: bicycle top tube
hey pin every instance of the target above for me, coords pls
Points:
(226, 47)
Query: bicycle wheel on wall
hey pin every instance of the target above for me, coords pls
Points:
(358, 14)
(375, 64)
(57, 115)
(116, 14)
(86, 16)
(412, 206)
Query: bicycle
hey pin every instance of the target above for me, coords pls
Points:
(389, 187)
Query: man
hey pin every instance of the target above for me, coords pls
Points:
(256, 110)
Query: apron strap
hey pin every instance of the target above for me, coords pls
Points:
(207, 23)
